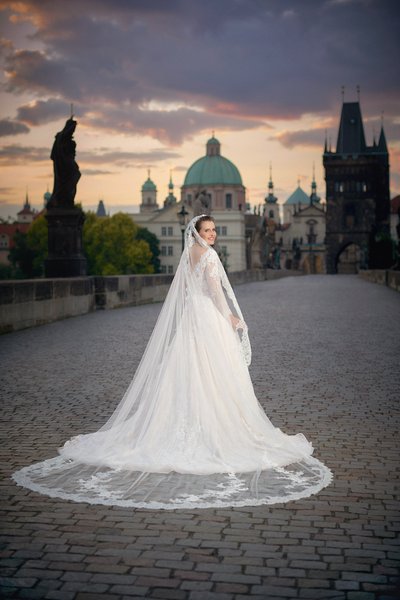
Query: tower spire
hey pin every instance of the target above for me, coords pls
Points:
(270, 183)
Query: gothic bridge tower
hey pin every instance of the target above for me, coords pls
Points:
(357, 197)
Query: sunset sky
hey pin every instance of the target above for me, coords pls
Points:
(151, 79)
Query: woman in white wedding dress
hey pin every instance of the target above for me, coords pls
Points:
(189, 431)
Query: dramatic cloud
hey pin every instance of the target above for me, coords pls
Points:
(311, 138)
(15, 154)
(43, 111)
(96, 172)
(244, 59)
(11, 155)
(9, 127)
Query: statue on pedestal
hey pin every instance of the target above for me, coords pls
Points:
(65, 220)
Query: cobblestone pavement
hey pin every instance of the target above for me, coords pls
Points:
(325, 363)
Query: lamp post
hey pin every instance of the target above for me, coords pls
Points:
(182, 214)
(312, 238)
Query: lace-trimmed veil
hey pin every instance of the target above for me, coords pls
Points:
(189, 431)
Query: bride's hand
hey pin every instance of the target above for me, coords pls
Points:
(236, 322)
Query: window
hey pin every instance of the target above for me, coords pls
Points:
(170, 250)
(170, 269)
(163, 250)
(228, 200)
(350, 216)
(170, 231)
(163, 269)
(224, 249)
(4, 241)
(163, 231)
(218, 230)
(224, 230)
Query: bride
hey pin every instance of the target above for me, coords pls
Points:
(189, 431)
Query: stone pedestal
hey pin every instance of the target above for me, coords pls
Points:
(65, 257)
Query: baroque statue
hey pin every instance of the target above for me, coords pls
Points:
(66, 170)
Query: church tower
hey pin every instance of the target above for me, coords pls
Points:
(357, 195)
(271, 208)
(149, 196)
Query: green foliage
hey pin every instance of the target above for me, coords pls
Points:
(111, 246)
(30, 250)
(154, 244)
(7, 272)
(37, 242)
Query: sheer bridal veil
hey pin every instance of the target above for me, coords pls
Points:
(189, 431)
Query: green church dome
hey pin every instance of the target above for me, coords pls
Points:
(298, 197)
(149, 185)
(213, 168)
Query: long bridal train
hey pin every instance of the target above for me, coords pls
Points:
(189, 431)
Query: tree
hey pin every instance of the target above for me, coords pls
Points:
(111, 246)
(29, 251)
(154, 244)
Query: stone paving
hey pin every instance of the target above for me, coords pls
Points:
(325, 362)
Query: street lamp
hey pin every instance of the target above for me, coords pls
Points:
(182, 214)
(311, 238)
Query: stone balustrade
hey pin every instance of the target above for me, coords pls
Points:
(30, 302)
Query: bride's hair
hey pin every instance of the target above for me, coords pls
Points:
(203, 219)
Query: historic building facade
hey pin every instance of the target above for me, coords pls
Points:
(357, 196)
(212, 185)
(302, 235)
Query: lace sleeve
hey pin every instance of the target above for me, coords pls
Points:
(213, 284)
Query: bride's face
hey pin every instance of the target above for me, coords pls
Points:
(207, 232)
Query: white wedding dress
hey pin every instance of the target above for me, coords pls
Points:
(189, 431)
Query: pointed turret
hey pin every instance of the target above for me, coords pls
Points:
(351, 138)
(382, 145)
(101, 209)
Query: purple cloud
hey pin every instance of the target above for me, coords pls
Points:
(43, 111)
(9, 127)
(243, 63)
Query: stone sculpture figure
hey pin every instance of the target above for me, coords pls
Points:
(202, 204)
(66, 170)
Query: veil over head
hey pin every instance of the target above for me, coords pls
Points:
(189, 431)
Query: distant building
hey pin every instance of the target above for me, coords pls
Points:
(149, 196)
(302, 235)
(358, 198)
(101, 209)
(8, 230)
(296, 201)
(213, 185)
(46, 198)
(27, 214)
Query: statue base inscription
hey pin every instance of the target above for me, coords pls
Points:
(65, 257)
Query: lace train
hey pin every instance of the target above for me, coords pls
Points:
(62, 478)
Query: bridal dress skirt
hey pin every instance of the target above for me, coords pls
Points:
(199, 438)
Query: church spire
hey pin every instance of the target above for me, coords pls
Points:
(270, 184)
(314, 198)
(270, 198)
(382, 145)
